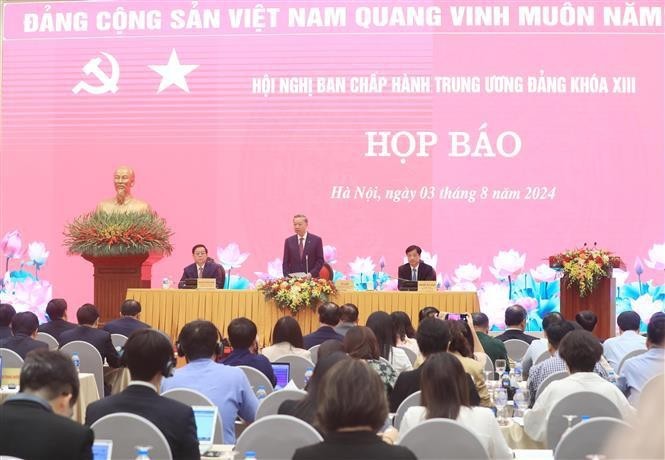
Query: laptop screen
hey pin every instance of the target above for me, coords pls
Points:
(282, 373)
(101, 449)
(206, 420)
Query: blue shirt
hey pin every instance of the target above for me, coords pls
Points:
(243, 357)
(226, 387)
(616, 348)
(638, 370)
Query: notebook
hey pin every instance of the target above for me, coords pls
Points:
(101, 449)
(282, 373)
(206, 423)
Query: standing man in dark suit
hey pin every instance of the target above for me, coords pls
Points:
(515, 319)
(7, 313)
(329, 315)
(24, 326)
(129, 321)
(149, 357)
(203, 267)
(88, 317)
(56, 310)
(415, 269)
(303, 252)
(36, 421)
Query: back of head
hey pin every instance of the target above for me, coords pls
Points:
(198, 339)
(87, 314)
(551, 318)
(656, 330)
(329, 347)
(433, 336)
(587, 319)
(147, 353)
(323, 365)
(480, 320)
(288, 330)
(382, 325)
(458, 338)
(50, 373)
(402, 325)
(352, 395)
(444, 386)
(557, 331)
(130, 307)
(514, 316)
(348, 313)
(242, 333)
(360, 342)
(629, 321)
(56, 308)
(580, 350)
(427, 312)
(7, 312)
(25, 323)
(329, 313)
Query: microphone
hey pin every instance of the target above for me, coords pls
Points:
(306, 263)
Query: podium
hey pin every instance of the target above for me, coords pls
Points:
(114, 275)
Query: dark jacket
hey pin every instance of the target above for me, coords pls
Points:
(22, 344)
(211, 269)
(125, 326)
(56, 327)
(98, 338)
(494, 348)
(321, 335)
(425, 273)
(243, 357)
(515, 334)
(354, 445)
(5, 331)
(312, 256)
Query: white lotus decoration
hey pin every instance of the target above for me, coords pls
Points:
(231, 257)
(507, 263)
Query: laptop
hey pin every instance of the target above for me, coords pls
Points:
(101, 449)
(206, 423)
(282, 373)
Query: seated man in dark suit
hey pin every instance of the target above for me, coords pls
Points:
(415, 269)
(129, 321)
(203, 267)
(88, 317)
(36, 422)
(149, 357)
(515, 319)
(56, 310)
(433, 337)
(24, 326)
(242, 335)
(7, 312)
(329, 315)
(303, 252)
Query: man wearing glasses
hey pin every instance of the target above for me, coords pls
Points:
(203, 267)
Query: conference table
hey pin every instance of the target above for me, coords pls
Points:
(170, 309)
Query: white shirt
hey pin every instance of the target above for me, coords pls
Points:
(480, 420)
(616, 348)
(273, 352)
(399, 360)
(535, 420)
(536, 348)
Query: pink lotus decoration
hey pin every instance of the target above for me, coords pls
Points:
(362, 266)
(544, 274)
(11, 246)
(494, 300)
(231, 257)
(274, 270)
(656, 257)
(330, 254)
(507, 263)
(27, 295)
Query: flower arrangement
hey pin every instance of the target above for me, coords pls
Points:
(113, 234)
(296, 294)
(584, 267)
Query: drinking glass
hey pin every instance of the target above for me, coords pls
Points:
(521, 399)
(500, 401)
(500, 366)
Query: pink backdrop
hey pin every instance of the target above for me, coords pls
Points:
(222, 164)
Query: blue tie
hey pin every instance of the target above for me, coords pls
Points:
(414, 275)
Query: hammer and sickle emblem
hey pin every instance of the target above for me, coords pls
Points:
(108, 83)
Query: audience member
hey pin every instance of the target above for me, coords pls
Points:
(445, 395)
(629, 339)
(427, 312)
(227, 387)
(381, 324)
(286, 340)
(24, 327)
(404, 332)
(637, 371)
(494, 348)
(305, 409)
(130, 311)
(7, 312)
(348, 318)
(555, 333)
(149, 356)
(351, 410)
(539, 346)
(360, 343)
(329, 347)
(56, 309)
(433, 337)
(515, 319)
(35, 422)
(242, 335)
(581, 351)
(329, 315)
(461, 348)
(587, 319)
(88, 318)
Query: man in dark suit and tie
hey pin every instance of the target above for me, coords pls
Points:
(329, 315)
(515, 319)
(7, 313)
(415, 269)
(129, 321)
(36, 422)
(203, 267)
(88, 317)
(149, 357)
(56, 309)
(24, 326)
(303, 252)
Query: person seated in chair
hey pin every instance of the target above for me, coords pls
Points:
(329, 315)
(242, 335)
(515, 319)
(88, 318)
(203, 267)
(129, 320)
(415, 269)
(56, 309)
(7, 312)
(24, 326)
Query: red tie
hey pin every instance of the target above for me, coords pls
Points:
(301, 247)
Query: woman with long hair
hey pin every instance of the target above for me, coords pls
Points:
(462, 349)
(381, 324)
(360, 343)
(405, 334)
(286, 340)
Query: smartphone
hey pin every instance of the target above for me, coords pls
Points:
(457, 316)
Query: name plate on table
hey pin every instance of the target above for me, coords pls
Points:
(344, 285)
(206, 283)
(426, 286)
(10, 376)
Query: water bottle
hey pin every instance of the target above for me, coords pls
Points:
(261, 393)
(308, 374)
(518, 372)
(505, 380)
(142, 453)
(166, 283)
(77, 361)
(250, 455)
(611, 376)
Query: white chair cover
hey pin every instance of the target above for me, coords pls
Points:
(91, 362)
(549, 379)
(271, 403)
(48, 339)
(10, 359)
(587, 438)
(128, 431)
(257, 378)
(629, 355)
(410, 354)
(196, 398)
(315, 353)
(444, 439)
(118, 340)
(412, 400)
(516, 349)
